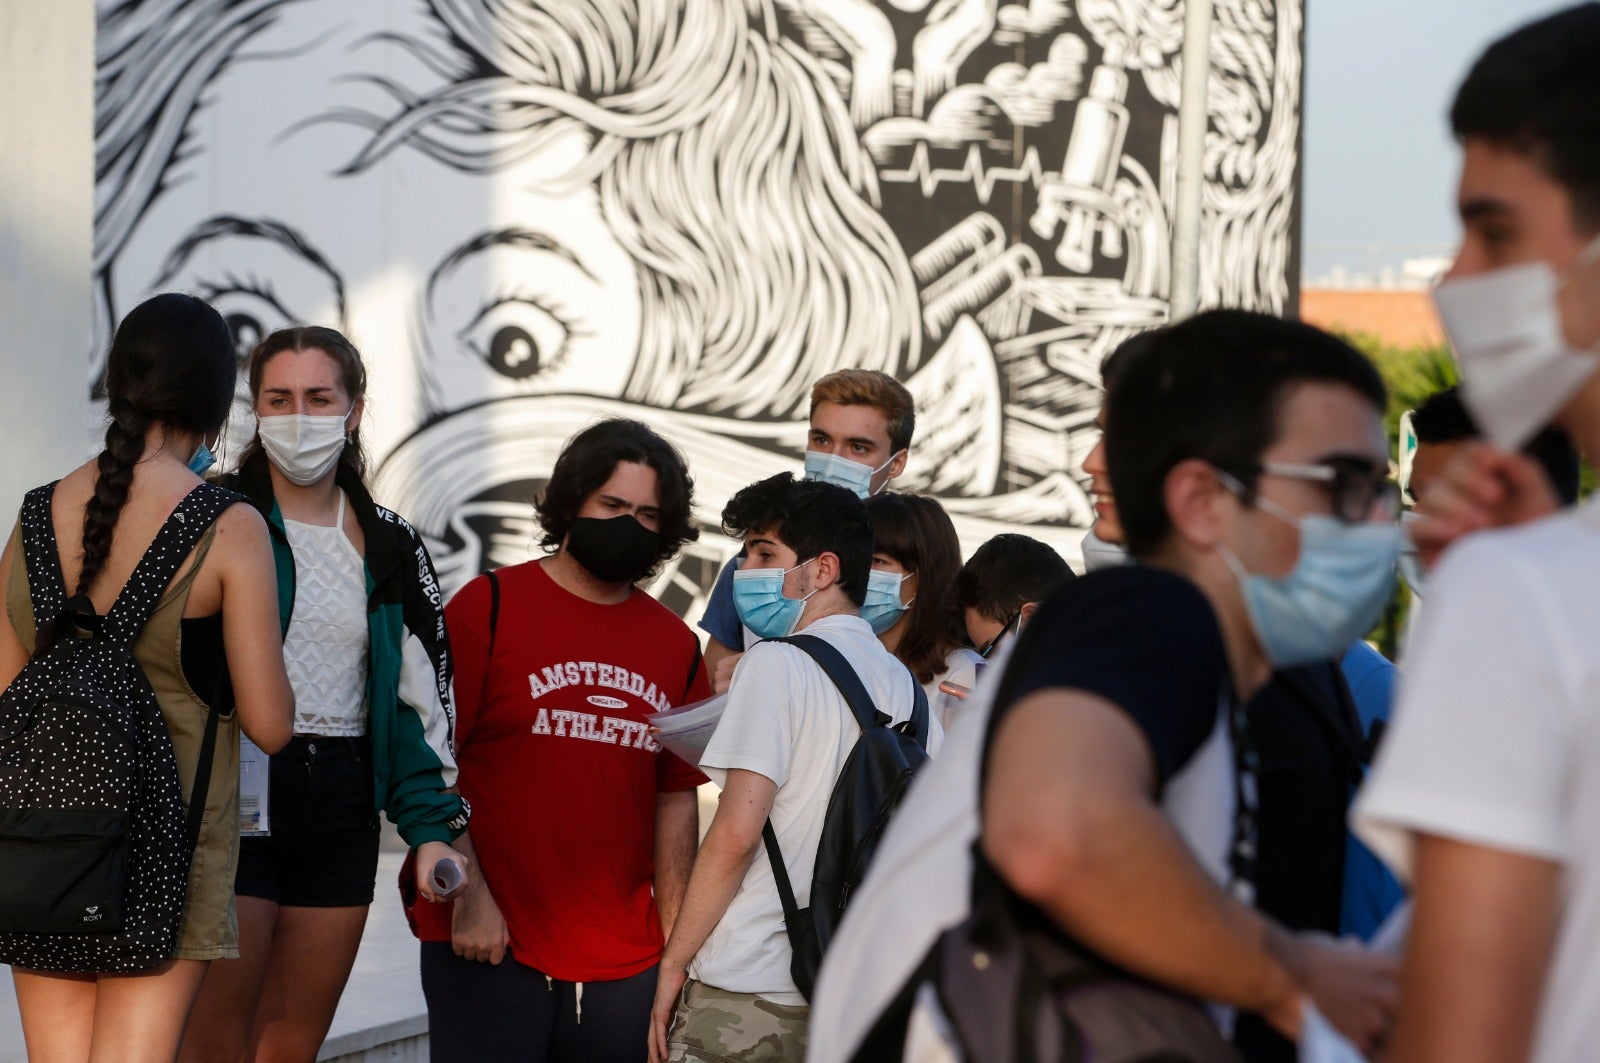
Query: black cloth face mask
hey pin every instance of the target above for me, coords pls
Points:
(613, 549)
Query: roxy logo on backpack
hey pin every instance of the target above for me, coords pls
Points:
(93, 826)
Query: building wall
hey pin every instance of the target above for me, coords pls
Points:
(46, 216)
(533, 215)
(1400, 318)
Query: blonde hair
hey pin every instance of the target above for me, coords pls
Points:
(871, 387)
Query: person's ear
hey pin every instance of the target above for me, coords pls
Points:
(1199, 508)
(828, 570)
(1025, 614)
(897, 464)
(357, 409)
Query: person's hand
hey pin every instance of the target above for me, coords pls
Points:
(428, 855)
(1355, 989)
(724, 677)
(1480, 488)
(477, 929)
(669, 984)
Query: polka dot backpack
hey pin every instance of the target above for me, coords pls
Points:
(95, 837)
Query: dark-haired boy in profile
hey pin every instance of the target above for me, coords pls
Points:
(1002, 584)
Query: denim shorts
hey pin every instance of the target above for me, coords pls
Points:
(323, 849)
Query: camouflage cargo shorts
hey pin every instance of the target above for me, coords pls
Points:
(716, 1026)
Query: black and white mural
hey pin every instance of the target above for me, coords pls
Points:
(532, 213)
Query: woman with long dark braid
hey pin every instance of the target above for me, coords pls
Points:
(169, 379)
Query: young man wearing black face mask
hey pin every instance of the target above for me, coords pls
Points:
(586, 829)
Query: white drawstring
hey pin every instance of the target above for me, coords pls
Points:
(578, 997)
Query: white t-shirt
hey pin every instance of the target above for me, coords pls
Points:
(960, 666)
(787, 721)
(1495, 739)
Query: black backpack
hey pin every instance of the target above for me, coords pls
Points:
(93, 828)
(874, 779)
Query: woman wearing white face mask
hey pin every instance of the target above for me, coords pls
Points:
(911, 595)
(365, 650)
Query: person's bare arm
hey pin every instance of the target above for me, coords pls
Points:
(250, 627)
(1482, 932)
(1071, 823)
(731, 843)
(716, 654)
(677, 833)
(477, 928)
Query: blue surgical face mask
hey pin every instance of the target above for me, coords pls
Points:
(203, 459)
(883, 607)
(762, 605)
(853, 475)
(1333, 595)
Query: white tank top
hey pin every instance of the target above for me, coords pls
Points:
(325, 649)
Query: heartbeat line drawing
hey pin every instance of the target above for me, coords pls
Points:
(982, 178)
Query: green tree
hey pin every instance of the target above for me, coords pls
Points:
(1410, 374)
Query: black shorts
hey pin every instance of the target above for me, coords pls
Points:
(323, 849)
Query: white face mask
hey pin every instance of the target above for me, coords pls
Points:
(1517, 370)
(303, 447)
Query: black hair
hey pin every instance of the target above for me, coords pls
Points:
(917, 532)
(587, 462)
(1443, 418)
(352, 377)
(1534, 90)
(1210, 388)
(171, 363)
(1008, 572)
(810, 517)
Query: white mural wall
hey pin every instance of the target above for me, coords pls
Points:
(532, 213)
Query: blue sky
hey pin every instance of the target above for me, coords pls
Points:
(1380, 166)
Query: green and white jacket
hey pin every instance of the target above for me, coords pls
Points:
(410, 719)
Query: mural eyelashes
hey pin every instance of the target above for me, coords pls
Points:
(533, 213)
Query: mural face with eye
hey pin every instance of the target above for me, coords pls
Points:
(460, 286)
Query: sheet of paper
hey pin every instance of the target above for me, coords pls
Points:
(1321, 1043)
(1391, 936)
(253, 818)
(687, 730)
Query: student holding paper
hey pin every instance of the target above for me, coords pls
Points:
(583, 828)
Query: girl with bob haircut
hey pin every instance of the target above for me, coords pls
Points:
(911, 598)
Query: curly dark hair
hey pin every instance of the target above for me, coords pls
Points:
(809, 517)
(171, 363)
(587, 462)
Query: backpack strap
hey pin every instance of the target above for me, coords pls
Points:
(178, 536)
(849, 683)
(47, 589)
(867, 715)
(780, 875)
(201, 790)
(494, 625)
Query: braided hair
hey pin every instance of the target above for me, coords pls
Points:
(171, 363)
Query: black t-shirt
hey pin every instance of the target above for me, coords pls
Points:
(1144, 639)
(1308, 744)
